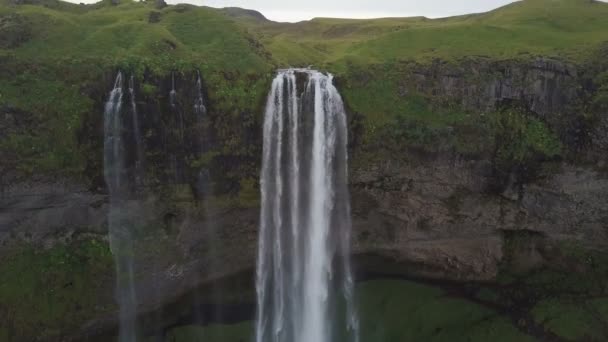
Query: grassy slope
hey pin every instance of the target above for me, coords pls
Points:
(185, 35)
(85, 40)
(47, 293)
(566, 28)
(188, 33)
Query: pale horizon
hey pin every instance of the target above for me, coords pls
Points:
(282, 11)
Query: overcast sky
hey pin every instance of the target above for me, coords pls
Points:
(289, 10)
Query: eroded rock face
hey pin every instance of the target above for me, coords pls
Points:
(14, 30)
(544, 86)
(438, 219)
(48, 213)
(431, 219)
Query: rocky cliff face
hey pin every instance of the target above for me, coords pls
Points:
(569, 98)
(544, 86)
(437, 219)
(417, 214)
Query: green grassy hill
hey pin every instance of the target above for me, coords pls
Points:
(229, 39)
(51, 49)
(566, 28)
(176, 35)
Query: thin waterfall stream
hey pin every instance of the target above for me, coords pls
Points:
(304, 281)
(136, 135)
(117, 180)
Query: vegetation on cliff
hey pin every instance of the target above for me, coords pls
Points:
(47, 293)
(54, 54)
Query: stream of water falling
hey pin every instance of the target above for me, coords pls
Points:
(199, 103)
(136, 135)
(121, 241)
(304, 281)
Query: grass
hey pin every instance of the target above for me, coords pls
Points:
(567, 28)
(185, 35)
(396, 310)
(56, 108)
(404, 311)
(546, 302)
(568, 319)
(47, 293)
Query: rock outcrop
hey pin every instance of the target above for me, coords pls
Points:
(544, 86)
(14, 30)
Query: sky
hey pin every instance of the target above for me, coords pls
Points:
(293, 11)
(290, 10)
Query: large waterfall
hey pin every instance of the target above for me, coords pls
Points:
(304, 282)
(117, 181)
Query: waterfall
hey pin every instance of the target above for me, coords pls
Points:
(172, 93)
(176, 109)
(121, 242)
(200, 110)
(136, 134)
(303, 270)
(113, 145)
(199, 103)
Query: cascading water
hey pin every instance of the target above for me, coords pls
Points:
(174, 106)
(173, 92)
(205, 190)
(121, 242)
(199, 103)
(136, 134)
(303, 271)
(176, 110)
(200, 110)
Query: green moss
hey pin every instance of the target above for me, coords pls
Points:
(51, 110)
(149, 89)
(404, 311)
(45, 293)
(520, 138)
(568, 319)
(566, 297)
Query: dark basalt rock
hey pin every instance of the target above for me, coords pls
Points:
(14, 30)
(154, 17)
(160, 4)
(244, 13)
(543, 86)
